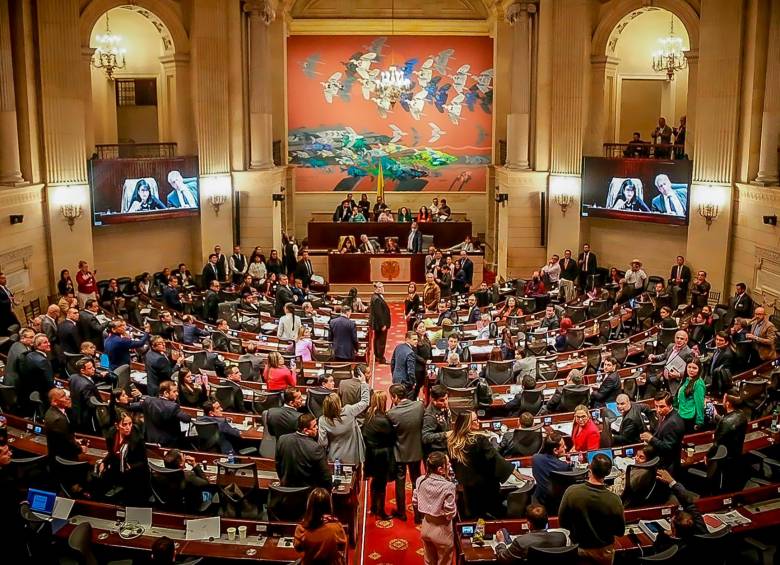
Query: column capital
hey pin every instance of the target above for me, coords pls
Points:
(517, 9)
(263, 9)
(605, 61)
(692, 56)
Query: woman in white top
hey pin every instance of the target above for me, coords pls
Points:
(339, 432)
(257, 270)
(289, 324)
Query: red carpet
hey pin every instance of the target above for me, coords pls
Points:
(391, 542)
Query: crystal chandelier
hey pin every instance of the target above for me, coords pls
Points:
(670, 58)
(109, 56)
(392, 84)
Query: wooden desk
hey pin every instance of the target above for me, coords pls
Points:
(356, 267)
(325, 235)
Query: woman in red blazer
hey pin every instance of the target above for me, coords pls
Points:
(585, 433)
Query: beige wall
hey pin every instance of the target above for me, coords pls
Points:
(640, 105)
(130, 249)
(473, 204)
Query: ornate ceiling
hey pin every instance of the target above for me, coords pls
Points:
(402, 9)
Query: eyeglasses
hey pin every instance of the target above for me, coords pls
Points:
(580, 416)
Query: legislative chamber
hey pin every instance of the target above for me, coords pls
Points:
(393, 282)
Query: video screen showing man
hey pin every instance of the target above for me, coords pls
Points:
(673, 197)
(181, 195)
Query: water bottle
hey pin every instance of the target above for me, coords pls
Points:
(231, 457)
(337, 467)
(775, 415)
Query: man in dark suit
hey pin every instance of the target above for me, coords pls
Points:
(14, 360)
(668, 436)
(159, 367)
(343, 212)
(569, 270)
(82, 389)
(467, 266)
(474, 312)
(210, 271)
(211, 302)
(741, 305)
(222, 263)
(367, 246)
(49, 324)
(587, 263)
(212, 361)
(379, 320)
(679, 281)
(163, 416)
(35, 372)
(60, 437)
(170, 295)
(90, 327)
(437, 421)
(721, 365)
(633, 422)
(219, 336)
(537, 536)
(730, 433)
(282, 420)
(233, 380)
(300, 460)
(407, 418)
(303, 269)
(414, 239)
(284, 294)
(195, 480)
(229, 437)
(524, 441)
(349, 389)
(574, 384)
(7, 302)
(343, 334)
(673, 199)
(181, 195)
(68, 333)
(403, 364)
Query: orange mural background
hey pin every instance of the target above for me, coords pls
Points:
(338, 145)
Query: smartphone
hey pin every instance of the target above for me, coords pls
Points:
(58, 384)
(206, 496)
(507, 536)
(575, 458)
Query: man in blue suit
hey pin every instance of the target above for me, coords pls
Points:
(343, 334)
(467, 266)
(414, 239)
(162, 416)
(673, 199)
(402, 364)
(182, 196)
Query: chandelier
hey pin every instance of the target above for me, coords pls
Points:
(109, 56)
(392, 84)
(670, 58)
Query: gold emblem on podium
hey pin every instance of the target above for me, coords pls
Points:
(390, 270)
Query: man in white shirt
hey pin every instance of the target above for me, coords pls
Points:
(551, 272)
(634, 281)
(671, 200)
(182, 195)
(238, 265)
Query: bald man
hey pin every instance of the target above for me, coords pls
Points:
(763, 335)
(60, 437)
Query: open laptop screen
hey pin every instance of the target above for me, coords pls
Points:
(41, 500)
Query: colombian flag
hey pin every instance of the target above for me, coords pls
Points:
(380, 181)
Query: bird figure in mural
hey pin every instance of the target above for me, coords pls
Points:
(376, 47)
(397, 133)
(436, 132)
(416, 104)
(440, 98)
(383, 105)
(415, 137)
(332, 87)
(309, 65)
(352, 137)
(459, 78)
(363, 65)
(484, 80)
(425, 73)
(368, 85)
(442, 59)
(454, 108)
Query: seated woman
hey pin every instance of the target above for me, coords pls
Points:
(247, 286)
(320, 536)
(614, 276)
(424, 215)
(385, 216)
(276, 375)
(391, 245)
(112, 298)
(585, 434)
(404, 215)
(348, 246)
(354, 302)
(143, 200)
(534, 287)
(560, 340)
(268, 286)
(466, 245)
(629, 197)
(509, 309)
(191, 392)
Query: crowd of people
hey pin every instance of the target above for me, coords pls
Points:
(360, 211)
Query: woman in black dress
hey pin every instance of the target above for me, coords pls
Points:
(478, 468)
(125, 464)
(411, 305)
(629, 198)
(191, 393)
(274, 264)
(424, 353)
(379, 437)
(65, 284)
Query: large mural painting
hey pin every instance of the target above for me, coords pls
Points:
(342, 127)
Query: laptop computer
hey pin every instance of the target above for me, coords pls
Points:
(41, 501)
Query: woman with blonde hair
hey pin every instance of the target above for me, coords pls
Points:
(379, 438)
(339, 432)
(276, 375)
(478, 467)
(304, 346)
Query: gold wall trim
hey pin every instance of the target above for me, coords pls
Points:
(758, 193)
(20, 196)
(388, 26)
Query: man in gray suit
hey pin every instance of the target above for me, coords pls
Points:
(15, 353)
(349, 389)
(280, 420)
(407, 417)
(676, 353)
(537, 536)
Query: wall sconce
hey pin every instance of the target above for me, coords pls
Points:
(502, 198)
(709, 211)
(563, 190)
(71, 212)
(217, 200)
(710, 200)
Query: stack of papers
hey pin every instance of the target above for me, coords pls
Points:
(716, 522)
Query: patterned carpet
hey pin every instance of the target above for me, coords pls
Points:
(391, 542)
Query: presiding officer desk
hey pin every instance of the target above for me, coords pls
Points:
(326, 235)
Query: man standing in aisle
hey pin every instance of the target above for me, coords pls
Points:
(379, 320)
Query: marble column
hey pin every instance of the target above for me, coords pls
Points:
(518, 14)
(10, 168)
(770, 121)
(176, 71)
(261, 15)
(89, 117)
(692, 57)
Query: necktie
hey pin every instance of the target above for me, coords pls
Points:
(184, 199)
(308, 268)
(679, 272)
(672, 207)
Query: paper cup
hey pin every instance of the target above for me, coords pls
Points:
(690, 452)
(231, 533)
(242, 533)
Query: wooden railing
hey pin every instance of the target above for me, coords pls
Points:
(135, 150)
(644, 150)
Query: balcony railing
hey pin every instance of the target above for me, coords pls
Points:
(135, 151)
(644, 150)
